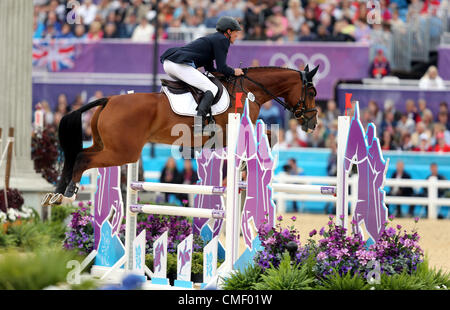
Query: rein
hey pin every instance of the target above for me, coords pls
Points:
(299, 110)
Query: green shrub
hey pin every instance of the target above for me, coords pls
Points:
(243, 280)
(286, 276)
(34, 270)
(345, 282)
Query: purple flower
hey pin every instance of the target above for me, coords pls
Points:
(286, 233)
(279, 218)
(416, 219)
(313, 232)
(390, 231)
(322, 230)
(294, 218)
(399, 227)
(391, 217)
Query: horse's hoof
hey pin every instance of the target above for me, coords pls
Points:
(46, 199)
(56, 199)
(68, 200)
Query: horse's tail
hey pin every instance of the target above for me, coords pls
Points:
(71, 140)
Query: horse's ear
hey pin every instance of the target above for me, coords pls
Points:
(310, 75)
(306, 68)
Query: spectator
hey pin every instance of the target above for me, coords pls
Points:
(443, 121)
(53, 22)
(188, 176)
(322, 33)
(211, 17)
(295, 15)
(234, 9)
(80, 31)
(339, 33)
(441, 146)
(397, 24)
(270, 114)
(170, 174)
(362, 31)
(291, 168)
(388, 123)
(411, 110)
(277, 24)
(422, 103)
(405, 142)
(420, 129)
(305, 33)
(127, 28)
(61, 110)
(110, 31)
(143, 32)
(87, 11)
(295, 136)
(291, 36)
(38, 28)
(310, 20)
(428, 119)
(424, 144)
(431, 80)
(398, 191)
(257, 33)
(375, 112)
(434, 172)
(387, 141)
(380, 66)
(317, 137)
(405, 124)
(95, 31)
(48, 114)
(66, 32)
(331, 113)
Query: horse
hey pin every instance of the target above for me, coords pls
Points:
(123, 124)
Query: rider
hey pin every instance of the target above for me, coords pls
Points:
(181, 62)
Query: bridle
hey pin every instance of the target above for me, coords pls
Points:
(299, 110)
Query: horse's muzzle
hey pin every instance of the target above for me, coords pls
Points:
(309, 124)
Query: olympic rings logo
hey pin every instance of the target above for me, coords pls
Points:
(301, 59)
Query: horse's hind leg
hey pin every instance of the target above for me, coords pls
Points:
(103, 158)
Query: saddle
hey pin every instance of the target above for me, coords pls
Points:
(179, 87)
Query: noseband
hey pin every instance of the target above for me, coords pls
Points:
(300, 110)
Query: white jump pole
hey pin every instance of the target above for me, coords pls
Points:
(304, 189)
(178, 188)
(342, 176)
(178, 211)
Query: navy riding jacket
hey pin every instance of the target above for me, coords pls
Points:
(202, 52)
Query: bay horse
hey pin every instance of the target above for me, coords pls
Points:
(123, 124)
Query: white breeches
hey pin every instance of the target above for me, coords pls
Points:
(190, 75)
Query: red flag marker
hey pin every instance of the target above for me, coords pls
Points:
(238, 102)
(348, 102)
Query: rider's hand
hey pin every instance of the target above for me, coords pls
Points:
(238, 71)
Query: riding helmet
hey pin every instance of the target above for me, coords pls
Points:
(226, 22)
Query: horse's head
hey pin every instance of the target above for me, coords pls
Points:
(303, 102)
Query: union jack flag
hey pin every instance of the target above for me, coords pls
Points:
(53, 54)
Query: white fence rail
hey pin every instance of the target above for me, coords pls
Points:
(432, 185)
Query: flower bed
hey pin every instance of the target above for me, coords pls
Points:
(338, 261)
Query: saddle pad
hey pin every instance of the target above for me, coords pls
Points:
(184, 104)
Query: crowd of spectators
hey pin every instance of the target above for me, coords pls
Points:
(274, 20)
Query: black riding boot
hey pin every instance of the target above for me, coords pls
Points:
(203, 109)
